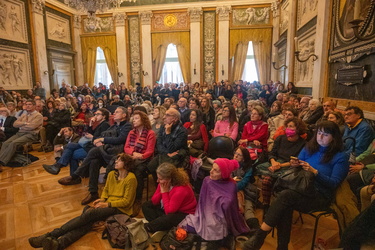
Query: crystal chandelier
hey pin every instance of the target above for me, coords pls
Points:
(92, 6)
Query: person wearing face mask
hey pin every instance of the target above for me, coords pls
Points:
(283, 148)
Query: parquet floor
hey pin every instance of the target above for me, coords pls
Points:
(33, 203)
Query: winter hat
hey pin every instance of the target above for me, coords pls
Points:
(226, 166)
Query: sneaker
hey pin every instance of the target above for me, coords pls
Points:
(157, 236)
(37, 242)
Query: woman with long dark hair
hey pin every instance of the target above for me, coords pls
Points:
(197, 133)
(228, 125)
(323, 157)
(208, 114)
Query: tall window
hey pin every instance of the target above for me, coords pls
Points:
(102, 72)
(171, 70)
(250, 73)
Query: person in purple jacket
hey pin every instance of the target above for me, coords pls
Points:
(322, 156)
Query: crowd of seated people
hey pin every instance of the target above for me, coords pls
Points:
(170, 127)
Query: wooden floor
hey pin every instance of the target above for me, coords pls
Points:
(33, 203)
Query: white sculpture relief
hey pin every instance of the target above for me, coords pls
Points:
(195, 14)
(97, 24)
(14, 68)
(307, 9)
(251, 16)
(305, 70)
(13, 21)
(3, 15)
(284, 17)
(209, 47)
(58, 31)
(223, 12)
(135, 57)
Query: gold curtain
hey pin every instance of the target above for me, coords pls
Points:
(158, 62)
(239, 60)
(182, 42)
(184, 60)
(108, 44)
(261, 39)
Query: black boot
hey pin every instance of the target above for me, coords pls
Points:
(36, 242)
(265, 209)
(253, 223)
(256, 241)
(53, 169)
(50, 244)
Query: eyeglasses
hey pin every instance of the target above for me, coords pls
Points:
(348, 114)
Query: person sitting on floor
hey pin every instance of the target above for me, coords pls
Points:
(197, 133)
(117, 198)
(217, 213)
(172, 201)
(105, 148)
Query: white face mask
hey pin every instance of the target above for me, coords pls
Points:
(100, 105)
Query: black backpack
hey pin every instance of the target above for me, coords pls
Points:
(125, 233)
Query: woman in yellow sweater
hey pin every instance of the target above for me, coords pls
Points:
(117, 197)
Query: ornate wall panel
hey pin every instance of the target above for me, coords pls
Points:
(58, 28)
(13, 21)
(307, 10)
(304, 70)
(209, 46)
(134, 48)
(251, 16)
(15, 68)
(172, 21)
(346, 50)
(284, 17)
(98, 25)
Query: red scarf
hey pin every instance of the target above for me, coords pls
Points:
(140, 144)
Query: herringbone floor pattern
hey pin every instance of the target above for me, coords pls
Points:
(33, 203)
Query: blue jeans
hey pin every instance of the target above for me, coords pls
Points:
(72, 154)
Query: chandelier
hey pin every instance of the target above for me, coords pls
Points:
(92, 6)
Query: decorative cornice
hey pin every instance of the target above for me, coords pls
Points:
(223, 12)
(119, 18)
(77, 21)
(145, 17)
(38, 6)
(195, 14)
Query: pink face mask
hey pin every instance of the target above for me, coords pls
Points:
(290, 132)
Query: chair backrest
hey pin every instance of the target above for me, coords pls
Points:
(221, 147)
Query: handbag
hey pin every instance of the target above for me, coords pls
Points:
(296, 179)
(84, 141)
(169, 241)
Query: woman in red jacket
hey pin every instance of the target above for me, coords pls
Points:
(140, 145)
(197, 133)
(256, 130)
(172, 201)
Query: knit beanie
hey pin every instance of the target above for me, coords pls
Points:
(226, 166)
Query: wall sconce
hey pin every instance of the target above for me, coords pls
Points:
(278, 68)
(296, 53)
(46, 72)
(195, 69)
(144, 73)
(120, 74)
(222, 69)
(355, 26)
